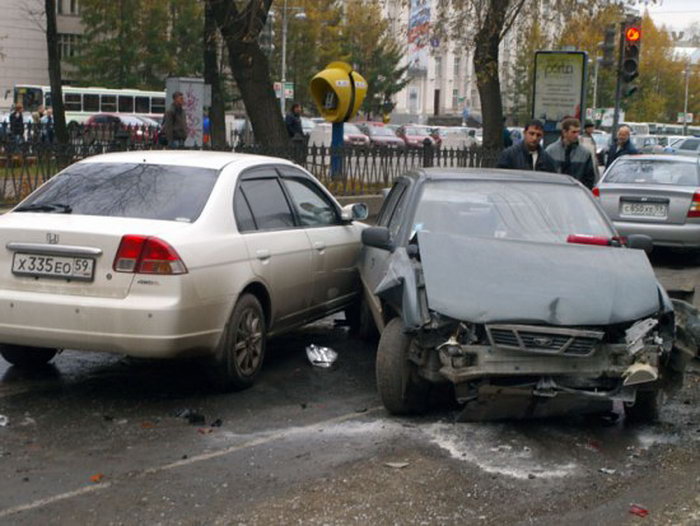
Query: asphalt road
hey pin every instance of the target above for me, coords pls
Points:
(100, 439)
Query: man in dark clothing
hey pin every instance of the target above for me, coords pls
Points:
(175, 122)
(17, 124)
(293, 120)
(571, 158)
(528, 154)
(623, 145)
(507, 139)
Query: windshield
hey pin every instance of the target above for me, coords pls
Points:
(148, 191)
(651, 171)
(380, 131)
(352, 129)
(508, 210)
(422, 132)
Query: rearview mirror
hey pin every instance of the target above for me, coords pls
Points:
(354, 212)
(640, 241)
(377, 237)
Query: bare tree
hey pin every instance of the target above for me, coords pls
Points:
(59, 115)
(240, 23)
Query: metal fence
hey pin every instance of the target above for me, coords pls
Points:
(28, 160)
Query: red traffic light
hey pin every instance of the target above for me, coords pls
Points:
(633, 34)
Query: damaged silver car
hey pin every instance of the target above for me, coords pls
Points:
(507, 282)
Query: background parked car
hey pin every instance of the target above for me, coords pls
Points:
(687, 146)
(142, 253)
(380, 136)
(415, 136)
(322, 135)
(655, 195)
(106, 128)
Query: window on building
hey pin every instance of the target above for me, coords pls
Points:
(456, 69)
(438, 68)
(68, 45)
(455, 99)
(74, 7)
(59, 7)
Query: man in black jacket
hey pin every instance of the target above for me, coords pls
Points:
(528, 154)
(623, 145)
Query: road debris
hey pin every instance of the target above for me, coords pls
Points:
(322, 357)
(193, 418)
(639, 511)
(396, 465)
(4, 421)
(608, 471)
(97, 478)
(217, 423)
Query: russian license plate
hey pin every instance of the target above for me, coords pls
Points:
(67, 267)
(628, 208)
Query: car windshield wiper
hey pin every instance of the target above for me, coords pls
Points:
(46, 207)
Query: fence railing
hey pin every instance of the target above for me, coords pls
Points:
(28, 162)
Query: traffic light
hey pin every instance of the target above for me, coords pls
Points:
(629, 69)
(608, 46)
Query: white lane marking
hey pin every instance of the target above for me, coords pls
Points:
(184, 462)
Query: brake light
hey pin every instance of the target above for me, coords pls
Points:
(583, 239)
(596, 191)
(694, 210)
(147, 255)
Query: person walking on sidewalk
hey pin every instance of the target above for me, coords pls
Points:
(570, 157)
(175, 122)
(528, 154)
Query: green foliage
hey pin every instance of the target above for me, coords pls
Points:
(138, 43)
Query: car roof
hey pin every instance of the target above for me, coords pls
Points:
(494, 174)
(194, 158)
(660, 157)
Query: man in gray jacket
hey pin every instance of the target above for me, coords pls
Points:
(175, 122)
(571, 158)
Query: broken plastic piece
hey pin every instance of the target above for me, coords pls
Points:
(608, 471)
(396, 465)
(640, 373)
(634, 336)
(97, 478)
(191, 416)
(321, 356)
(639, 511)
(4, 421)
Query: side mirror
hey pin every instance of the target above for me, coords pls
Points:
(377, 237)
(640, 241)
(354, 212)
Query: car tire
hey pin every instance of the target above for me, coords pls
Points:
(360, 321)
(27, 357)
(402, 391)
(646, 407)
(241, 351)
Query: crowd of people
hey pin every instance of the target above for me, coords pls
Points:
(574, 153)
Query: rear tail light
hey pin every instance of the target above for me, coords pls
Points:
(147, 255)
(694, 210)
(596, 191)
(583, 239)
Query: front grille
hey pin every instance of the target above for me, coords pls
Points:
(544, 340)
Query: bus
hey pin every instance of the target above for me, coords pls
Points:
(81, 103)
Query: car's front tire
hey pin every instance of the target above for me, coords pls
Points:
(401, 389)
(646, 407)
(27, 357)
(241, 352)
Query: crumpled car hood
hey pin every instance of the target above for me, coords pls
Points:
(498, 280)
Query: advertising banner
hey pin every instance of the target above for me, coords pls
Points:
(559, 86)
(418, 36)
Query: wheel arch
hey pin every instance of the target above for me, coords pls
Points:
(259, 290)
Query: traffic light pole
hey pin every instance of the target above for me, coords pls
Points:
(618, 86)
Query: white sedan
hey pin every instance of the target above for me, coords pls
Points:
(174, 253)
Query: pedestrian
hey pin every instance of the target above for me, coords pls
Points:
(17, 124)
(293, 121)
(588, 141)
(175, 122)
(528, 154)
(47, 128)
(569, 156)
(623, 145)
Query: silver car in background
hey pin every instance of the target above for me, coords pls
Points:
(656, 195)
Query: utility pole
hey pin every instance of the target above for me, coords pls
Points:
(685, 103)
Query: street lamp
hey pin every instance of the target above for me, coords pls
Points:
(299, 15)
(685, 103)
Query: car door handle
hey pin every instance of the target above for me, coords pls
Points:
(262, 254)
(319, 245)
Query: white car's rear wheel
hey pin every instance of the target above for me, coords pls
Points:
(240, 355)
(27, 357)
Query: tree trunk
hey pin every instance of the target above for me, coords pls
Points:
(217, 118)
(486, 69)
(59, 115)
(240, 30)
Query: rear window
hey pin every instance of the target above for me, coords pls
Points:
(508, 210)
(650, 171)
(146, 191)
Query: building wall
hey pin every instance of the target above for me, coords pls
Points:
(24, 57)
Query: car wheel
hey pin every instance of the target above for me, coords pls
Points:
(646, 407)
(27, 357)
(401, 389)
(242, 348)
(360, 321)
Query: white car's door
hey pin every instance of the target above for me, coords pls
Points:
(279, 251)
(335, 244)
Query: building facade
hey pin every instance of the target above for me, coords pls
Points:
(23, 53)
